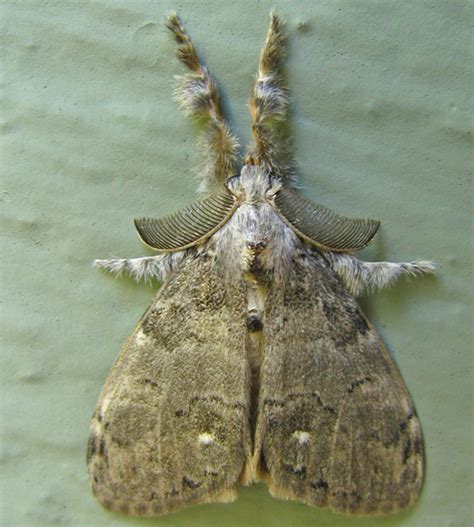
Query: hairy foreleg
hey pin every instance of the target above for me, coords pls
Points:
(360, 276)
(147, 268)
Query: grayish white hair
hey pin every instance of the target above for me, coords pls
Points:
(359, 276)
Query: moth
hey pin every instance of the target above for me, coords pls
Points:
(254, 361)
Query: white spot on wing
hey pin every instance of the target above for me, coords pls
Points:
(302, 437)
(205, 439)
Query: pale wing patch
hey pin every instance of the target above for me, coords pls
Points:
(303, 438)
(206, 439)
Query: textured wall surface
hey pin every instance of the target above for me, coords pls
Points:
(91, 139)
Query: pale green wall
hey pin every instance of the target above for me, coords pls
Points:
(91, 139)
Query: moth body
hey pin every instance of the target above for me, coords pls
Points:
(254, 361)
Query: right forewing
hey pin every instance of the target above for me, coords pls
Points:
(337, 426)
(170, 429)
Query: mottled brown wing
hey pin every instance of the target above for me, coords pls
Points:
(337, 426)
(170, 429)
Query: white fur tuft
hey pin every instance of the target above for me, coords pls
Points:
(359, 276)
(147, 268)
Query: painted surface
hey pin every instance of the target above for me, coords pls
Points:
(91, 139)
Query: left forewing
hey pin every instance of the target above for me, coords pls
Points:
(337, 426)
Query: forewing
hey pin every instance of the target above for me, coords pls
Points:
(337, 426)
(170, 429)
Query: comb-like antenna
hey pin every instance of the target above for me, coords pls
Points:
(198, 95)
(269, 107)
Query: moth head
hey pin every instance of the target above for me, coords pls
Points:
(254, 184)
